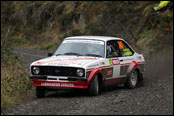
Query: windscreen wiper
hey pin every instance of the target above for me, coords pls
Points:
(59, 54)
(71, 53)
(95, 55)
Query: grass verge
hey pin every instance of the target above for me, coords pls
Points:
(15, 83)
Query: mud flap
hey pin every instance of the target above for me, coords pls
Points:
(140, 78)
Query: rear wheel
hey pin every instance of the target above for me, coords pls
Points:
(94, 86)
(40, 92)
(131, 80)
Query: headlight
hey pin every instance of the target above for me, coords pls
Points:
(36, 70)
(79, 72)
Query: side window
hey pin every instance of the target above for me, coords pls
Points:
(112, 49)
(125, 50)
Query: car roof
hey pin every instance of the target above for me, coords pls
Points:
(103, 38)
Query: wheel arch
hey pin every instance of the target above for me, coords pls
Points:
(139, 75)
(97, 72)
(133, 66)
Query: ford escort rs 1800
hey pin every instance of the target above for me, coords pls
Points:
(88, 62)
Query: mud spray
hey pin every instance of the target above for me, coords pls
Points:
(159, 66)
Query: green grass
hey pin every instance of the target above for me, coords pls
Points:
(15, 83)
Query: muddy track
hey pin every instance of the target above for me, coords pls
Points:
(154, 96)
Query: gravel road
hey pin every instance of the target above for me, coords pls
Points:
(154, 97)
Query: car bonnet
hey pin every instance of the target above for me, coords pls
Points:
(69, 61)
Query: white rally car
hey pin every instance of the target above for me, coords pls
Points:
(88, 62)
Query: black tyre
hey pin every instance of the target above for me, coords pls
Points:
(40, 92)
(94, 86)
(132, 80)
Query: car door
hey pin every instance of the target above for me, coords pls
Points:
(112, 57)
(125, 58)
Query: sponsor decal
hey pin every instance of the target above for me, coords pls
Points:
(84, 41)
(58, 84)
(94, 65)
(114, 62)
(75, 59)
(64, 62)
(109, 72)
(56, 63)
(110, 62)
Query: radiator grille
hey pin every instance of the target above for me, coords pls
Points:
(57, 71)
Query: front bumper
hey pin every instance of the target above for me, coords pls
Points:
(42, 83)
(70, 82)
(44, 77)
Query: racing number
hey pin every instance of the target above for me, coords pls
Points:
(114, 62)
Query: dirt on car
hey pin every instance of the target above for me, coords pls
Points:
(154, 96)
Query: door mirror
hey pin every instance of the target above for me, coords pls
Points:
(50, 54)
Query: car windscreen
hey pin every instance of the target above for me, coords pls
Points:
(81, 47)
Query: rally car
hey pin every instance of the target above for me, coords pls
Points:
(88, 62)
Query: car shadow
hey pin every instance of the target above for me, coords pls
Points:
(69, 93)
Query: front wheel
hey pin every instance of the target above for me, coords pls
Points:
(131, 80)
(40, 92)
(94, 86)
